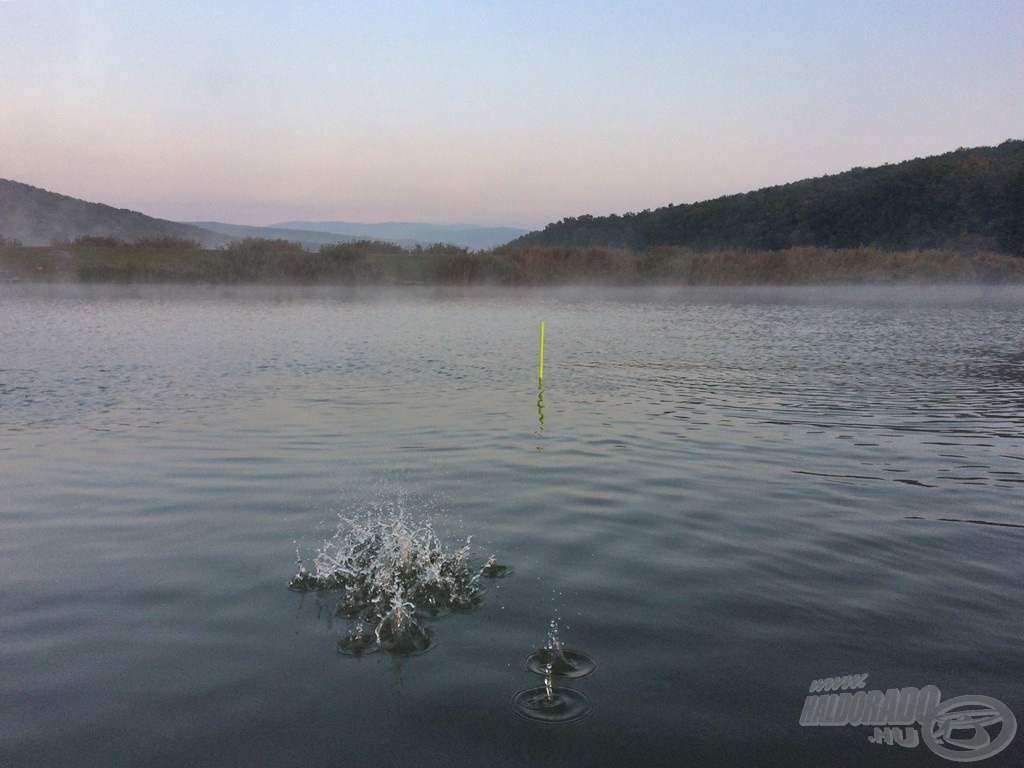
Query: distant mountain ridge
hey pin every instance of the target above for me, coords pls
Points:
(37, 217)
(308, 238)
(967, 199)
(477, 238)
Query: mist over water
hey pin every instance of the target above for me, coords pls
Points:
(721, 495)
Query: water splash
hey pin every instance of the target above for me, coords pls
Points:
(357, 643)
(547, 703)
(494, 570)
(391, 572)
(399, 632)
(551, 705)
(554, 659)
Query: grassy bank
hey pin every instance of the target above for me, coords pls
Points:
(255, 261)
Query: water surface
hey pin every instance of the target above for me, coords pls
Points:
(721, 495)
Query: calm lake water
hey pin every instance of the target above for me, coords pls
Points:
(720, 495)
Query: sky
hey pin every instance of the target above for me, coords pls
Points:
(513, 113)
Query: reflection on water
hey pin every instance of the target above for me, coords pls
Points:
(739, 492)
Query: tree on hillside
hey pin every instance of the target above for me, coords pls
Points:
(970, 197)
(1011, 226)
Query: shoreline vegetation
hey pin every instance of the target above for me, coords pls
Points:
(256, 261)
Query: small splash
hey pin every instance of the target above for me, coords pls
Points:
(399, 632)
(556, 660)
(553, 706)
(391, 573)
(303, 581)
(494, 570)
(549, 703)
(357, 643)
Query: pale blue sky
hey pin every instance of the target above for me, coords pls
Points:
(516, 113)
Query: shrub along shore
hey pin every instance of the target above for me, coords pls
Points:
(279, 262)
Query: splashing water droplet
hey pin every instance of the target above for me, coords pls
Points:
(398, 632)
(494, 570)
(357, 643)
(556, 660)
(391, 572)
(550, 704)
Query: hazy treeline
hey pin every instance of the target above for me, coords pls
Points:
(255, 260)
(554, 265)
(250, 260)
(970, 199)
(104, 241)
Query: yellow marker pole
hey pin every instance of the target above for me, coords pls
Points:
(540, 366)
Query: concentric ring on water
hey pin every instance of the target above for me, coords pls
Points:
(357, 644)
(560, 706)
(560, 662)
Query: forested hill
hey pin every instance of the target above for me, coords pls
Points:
(35, 216)
(970, 198)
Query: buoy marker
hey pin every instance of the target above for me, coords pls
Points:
(540, 365)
